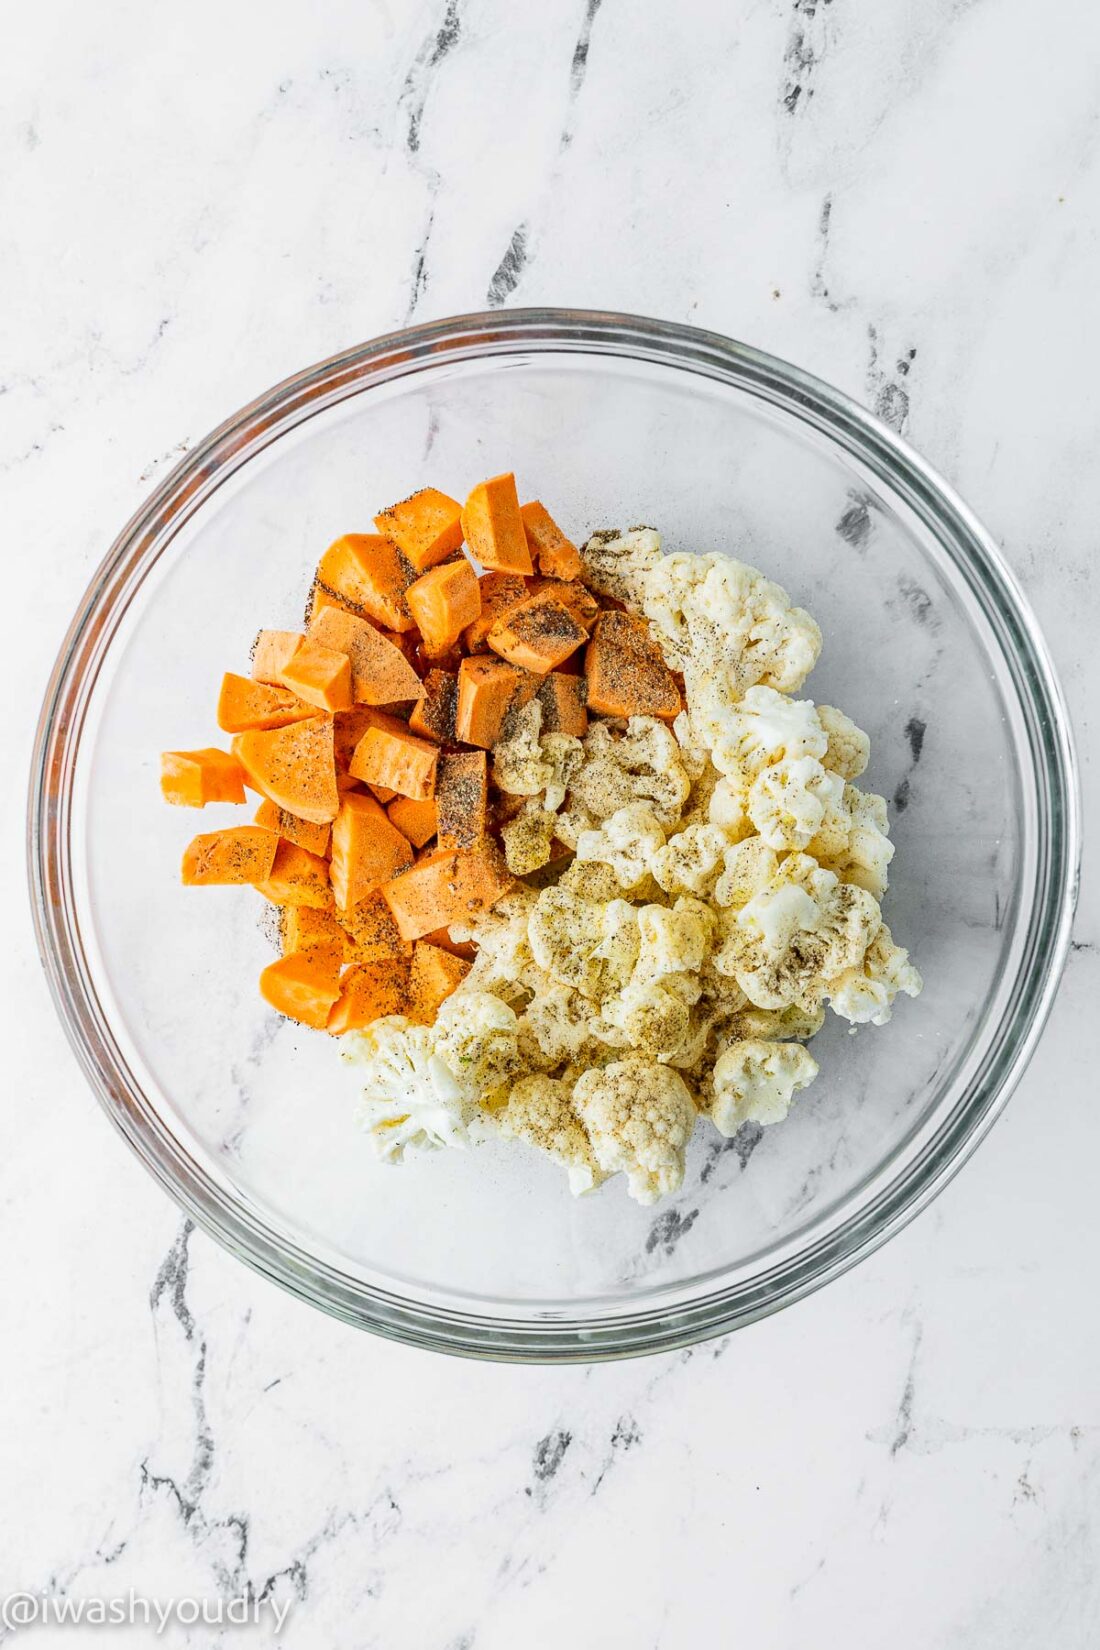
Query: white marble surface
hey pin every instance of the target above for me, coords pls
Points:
(906, 200)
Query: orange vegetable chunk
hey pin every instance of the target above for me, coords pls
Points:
(294, 766)
(434, 974)
(391, 756)
(562, 700)
(426, 528)
(462, 798)
(370, 575)
(493, 526)
(371, 931)
(556, 555)
(243, 853)
(571, 594)
(433, 715)
(487, 688)
(380, 672)
(538, 635)
(415, 820)
(271, 652)
(499, 593)
(297, 877)
(304, 985)
(366, 849)
(443, 602)
(368, 992)
(441, 937)
(446, 886)
(625, 671)
(191, 779)
(319, 675)
(305, 927)
(244, 703)
(314, 838)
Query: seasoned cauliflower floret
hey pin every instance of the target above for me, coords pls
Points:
(673, 942)
(411, 1101)
(788, 801)
(527, 762)
(749, 866)
(643, 764)
(865, 995)
(754, 1082)
(527, 838)
(475, 1037)
(591, 947)
(539, 1111)
(627, 842)
(767, 727)
(504, 964)
(691, 861)
(639, 1117)
(616, 563)
(561, 1021)
(849, 749)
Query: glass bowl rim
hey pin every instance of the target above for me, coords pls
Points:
(549, 1338)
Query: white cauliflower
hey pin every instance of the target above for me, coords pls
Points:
(691, 861)
(788, 802)
(580, 943)
(639, 1117)
(539, 1111)
(527, 838)
(775, 1025)
(673, 941)
(755, 1081)
(849, 749)
(562, 1023)
(527, 762)
(627, 842)
(726, 808)
(865, 995)
(764, 728)
(504, 964)
(642, 764)
(412, 1100)
(476, 1039)
(616, 563)
(748, 867)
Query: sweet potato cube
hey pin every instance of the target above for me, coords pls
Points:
(319, 675)
(445, 887)
(433, 975)
(320, 599)
(556, 555)
(625, 671)
(433, 715)
(443, 602)
(368, 991)
(462, 798)
(426, 528)
(539, 634)
(191, 779)
(244, 853)
(293, 766)
(499, 593)
(562, 700)
(493, 527)
(366, 849)
(391, 756)
(304, 985)
(305, 927)
(296, 877)
(244, 703)
(487, 689)
(415, 820)
(313, 838)
(272, 651)
(371, 931)
(380, 672)
(370, 576)
(571, 594)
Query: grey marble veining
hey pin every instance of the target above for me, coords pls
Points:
(905, 201)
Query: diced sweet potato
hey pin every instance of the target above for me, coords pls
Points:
(415, 820)
(314, 838)
(271, 652)
(462, 798)
(366, 850)
(499, 593)
(348, 728)
(304, 985)
(371, 931)
(571, 594)
(371, 576)
(487, 688)
(441, 937)
(297, 877)
(382, 794)
(368, 991)
(443, 602)
(493, 527)
(625, 672)
(244, 853)
(426, 528)
(562, 699)
(319, 599)
(380, 672)
(556, 555)
(319, 675)
(433, 715)
(191, 779)
(391, 756)
(304, 927)
(294, 766)
(244, 704)
(434, 974)
(445, 887)
(539, 634)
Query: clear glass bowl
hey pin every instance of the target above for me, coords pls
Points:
(248, 1119)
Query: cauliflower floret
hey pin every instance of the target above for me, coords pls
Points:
(540, 1112)
(755, 1081)
(869, 849)
(590, 879)
(693, 751)
(476, 1039)
(527, 838)
(726, 808)
(504, 964)
(865, 995)
(627, 842)
(691, 860)
(639, 1116)
(643, 764)
(616, 563)
(673, 942)
(650, 1015)
(562, 1024)
(527, 762)
(411, 1099)
(579, 943)
(775, 1025)
(749, 866)
(849, 749)
(767, 727)
(788, 801)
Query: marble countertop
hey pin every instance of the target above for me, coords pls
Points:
(905, 199)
